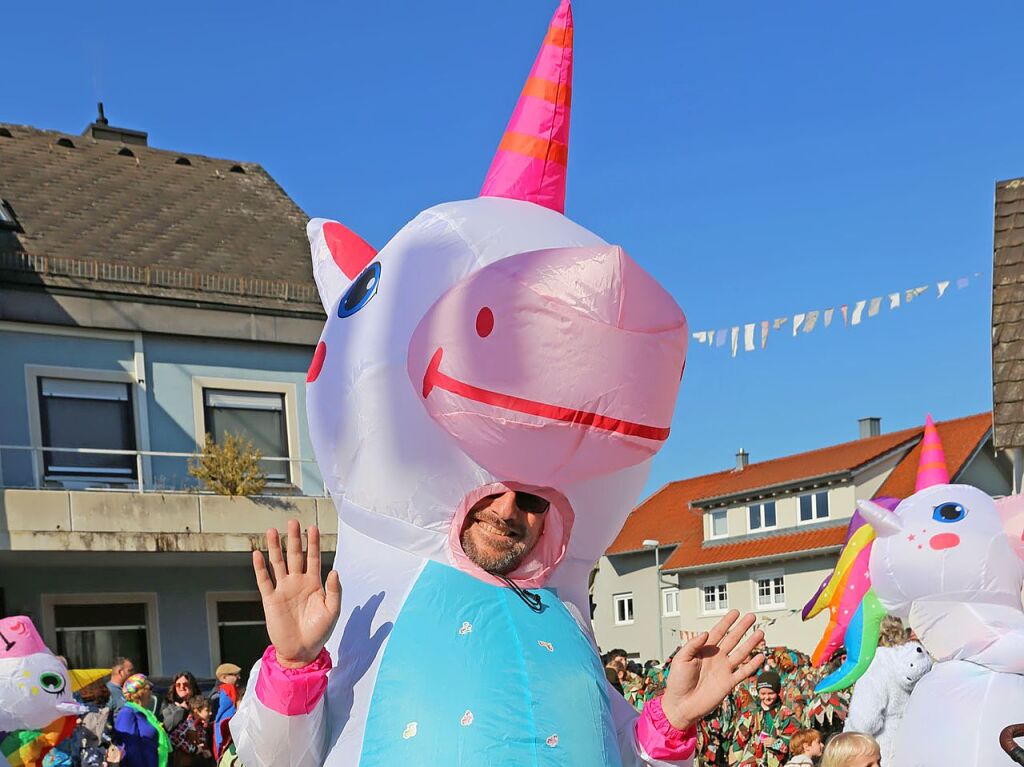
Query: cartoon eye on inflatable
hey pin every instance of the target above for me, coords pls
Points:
(361, 291)
(949, 512)
(52, 683)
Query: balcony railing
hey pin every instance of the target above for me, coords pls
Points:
(154, 471)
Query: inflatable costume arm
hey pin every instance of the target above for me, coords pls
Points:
(650, 739)
(284, 722)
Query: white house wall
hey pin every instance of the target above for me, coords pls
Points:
(801, 578)
(633, 573)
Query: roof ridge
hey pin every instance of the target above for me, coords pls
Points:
(44, 132)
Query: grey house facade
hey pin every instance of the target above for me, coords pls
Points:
(147, 298)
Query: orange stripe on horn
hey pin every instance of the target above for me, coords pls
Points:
(554, 93)
(531, 146)
(559, 36)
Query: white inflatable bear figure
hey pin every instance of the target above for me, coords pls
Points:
(882, 694)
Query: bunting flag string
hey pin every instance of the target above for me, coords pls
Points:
(751, 336)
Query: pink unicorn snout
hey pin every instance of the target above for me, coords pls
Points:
(552, 366)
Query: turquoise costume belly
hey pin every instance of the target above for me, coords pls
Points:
(472, 676)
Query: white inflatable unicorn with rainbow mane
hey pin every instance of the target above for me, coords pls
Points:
(493, 347)
(948, 561)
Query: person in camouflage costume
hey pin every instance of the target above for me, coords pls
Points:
(762, 731)
(714, 735)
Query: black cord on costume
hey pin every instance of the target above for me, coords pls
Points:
(532, 600)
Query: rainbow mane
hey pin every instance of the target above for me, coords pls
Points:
(855, 614)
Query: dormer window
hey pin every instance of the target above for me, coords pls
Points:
(7, 217)
(718, 523)
(814, 506)
(761, 516)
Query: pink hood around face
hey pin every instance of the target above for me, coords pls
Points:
(545, 556)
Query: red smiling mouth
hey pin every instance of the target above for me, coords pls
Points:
(434, 377)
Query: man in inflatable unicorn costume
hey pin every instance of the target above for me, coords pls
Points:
(484, 403)
(948, 561)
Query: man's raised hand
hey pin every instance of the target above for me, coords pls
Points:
(300, 613)
(708, 667)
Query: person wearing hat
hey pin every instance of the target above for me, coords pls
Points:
(225, 704)
(763, 729)
(137, 731)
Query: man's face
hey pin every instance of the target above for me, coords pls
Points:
(123, 672)
(500, 530)
(229, 679)
(768, 697)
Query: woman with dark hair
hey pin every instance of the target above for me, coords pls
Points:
(175, 708)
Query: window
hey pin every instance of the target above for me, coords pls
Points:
(670, 601)
(7, 217)
(87, 414)
(92, 635)
(715, 598)
(770, 591)
(254, 415)
(719, 521)
(762, 515)
(241, 631)
(623, 609)
(814, 506)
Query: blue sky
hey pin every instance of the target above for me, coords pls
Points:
(759, 158)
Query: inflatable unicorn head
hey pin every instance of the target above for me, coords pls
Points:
(35, 688)
(493, 343)
(943, 542)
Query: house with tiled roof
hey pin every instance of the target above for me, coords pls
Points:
(761, 536)
(148, 297)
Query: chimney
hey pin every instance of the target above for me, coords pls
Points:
(870, 427)
(102, 130)
(742, 459)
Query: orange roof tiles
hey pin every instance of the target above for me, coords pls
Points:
(816, 463)
(960, 439)
(773, 545)
(666, 516)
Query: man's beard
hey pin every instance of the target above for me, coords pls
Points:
(501, 562)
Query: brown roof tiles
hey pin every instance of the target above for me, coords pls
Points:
(94, 216)
(1008, 315)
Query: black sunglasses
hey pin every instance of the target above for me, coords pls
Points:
(531, 503)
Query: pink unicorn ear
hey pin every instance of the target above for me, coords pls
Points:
(531, 159)
(931, 469)
(339, 256)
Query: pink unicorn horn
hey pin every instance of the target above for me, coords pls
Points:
(531, 159)
(931, 469)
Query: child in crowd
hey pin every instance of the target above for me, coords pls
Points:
(192, 738)
(852, 749)
(806, 747)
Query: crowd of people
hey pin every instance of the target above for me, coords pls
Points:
(129, 724)
(772, 719)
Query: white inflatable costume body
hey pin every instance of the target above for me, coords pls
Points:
(882, 694)
(948, 561)
(492, 345)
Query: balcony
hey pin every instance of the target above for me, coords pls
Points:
(138, 510)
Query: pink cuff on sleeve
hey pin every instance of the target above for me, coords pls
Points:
(292, 691)
(659, 739)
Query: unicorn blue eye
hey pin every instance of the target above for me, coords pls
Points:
(361, 291)
(949, 512)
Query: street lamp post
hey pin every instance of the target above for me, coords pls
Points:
(656, 545)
